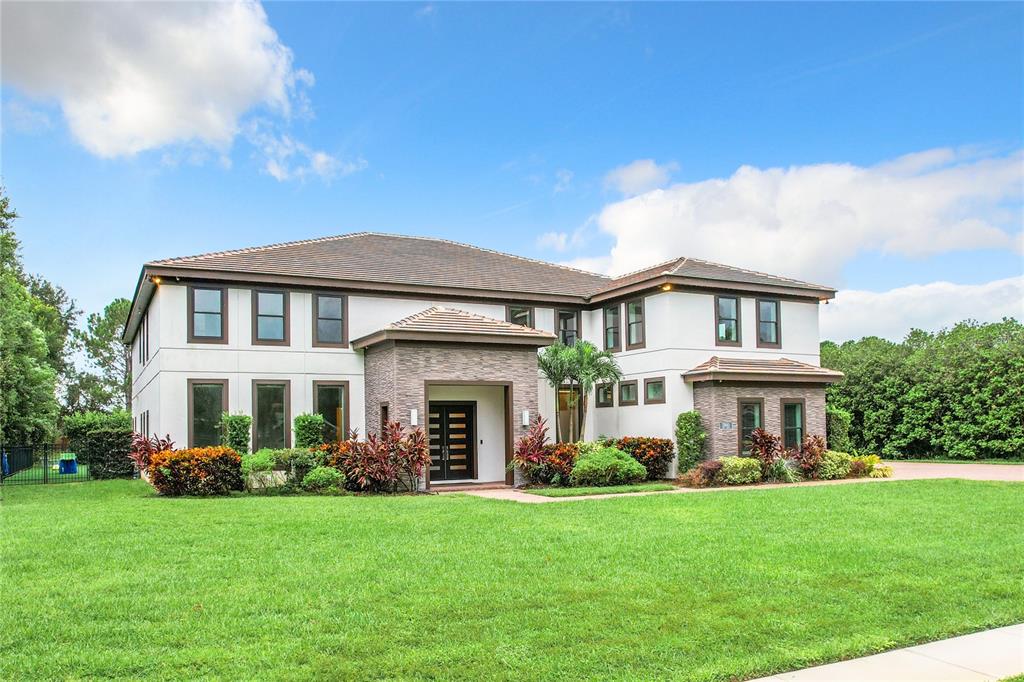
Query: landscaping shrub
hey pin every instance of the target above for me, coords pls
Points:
(809, 458)
(783, 470)
(323, 479)
(863, 465)
(530, 453)
(383, 463)
(106, 450)
(709, 470)
(690, 437)
(881, 472)
(296, 462)
(560, 460)
(196, 471)
(142, 449)
(655, 454)
(78, 424)
(257, 469)
(309, 430)
(607, 466)
(834, 465)
(739, 471)
(837, 428)
(765, 448)
(235, 430)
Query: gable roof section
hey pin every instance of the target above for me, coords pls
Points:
(369, 258)
(744, 369)
(447, 324)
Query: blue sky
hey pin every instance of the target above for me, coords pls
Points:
(502, 125)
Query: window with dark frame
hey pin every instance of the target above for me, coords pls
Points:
(751, 417)
(329, 320)
(605, 395)
(384, 418)
(768, 323)
(521, 315)
(271, 421)
(270, 317)
(792, 423)
(628, 393)
(207, 402)
(727, 320)
(206, 306)
(330, 400)
(612, 328)
(654, 391)
(635, 324)
(568, 326)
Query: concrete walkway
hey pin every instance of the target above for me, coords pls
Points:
(984, 656)
(902, 471)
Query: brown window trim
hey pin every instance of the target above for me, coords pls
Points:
(664, 391)
(317, 343)
(778, 322)
(385, 416)
(579, 322)
(287, 383)
(618, 328)
(256, 341)
(629, 403)
(191, 407)
(597, 395)
(739, 324)
(192, 338)
(348, 400)
(643, 325)
(782, 418)
(739, 420)
(508, 314)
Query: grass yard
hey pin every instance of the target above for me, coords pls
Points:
(597, 490)
(35, 473)
(103, 579)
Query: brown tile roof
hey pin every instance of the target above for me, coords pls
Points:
(439, 323)
(782, 369)
(696, 268)
(422, 261)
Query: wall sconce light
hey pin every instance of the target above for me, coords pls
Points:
(526, 417)
(666, 287)
(414, 417)
(155, 280)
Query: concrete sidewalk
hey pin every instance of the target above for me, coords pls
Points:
(984, 656)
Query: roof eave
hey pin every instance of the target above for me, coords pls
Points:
(384, 335)
(661, 280)
(789, 377)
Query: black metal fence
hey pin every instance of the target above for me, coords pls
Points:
(37, 464)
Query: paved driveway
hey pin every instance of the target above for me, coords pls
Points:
(974, 472)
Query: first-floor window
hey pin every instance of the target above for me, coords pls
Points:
(270, 418)
(654, 390)
(751, 417)
(331, 402)
(628, 393)
(208, 400)
(792, 424)
(605, 395)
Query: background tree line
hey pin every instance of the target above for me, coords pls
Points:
(958, 393)
(49, 366)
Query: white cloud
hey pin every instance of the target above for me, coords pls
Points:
(809, 221)
(289, 159)
(132, 77)
(891, 314)
(563, 179)
(640, 176)
(22, 118)
(563, 241)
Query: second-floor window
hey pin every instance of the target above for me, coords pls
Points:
(270, 317)
(727, 321)
(207, 314)
(635, 324)
(521, 315)
(568, 326)
(329, 327)
(768, 332)
(612, 328)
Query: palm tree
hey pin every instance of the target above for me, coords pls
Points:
(554, 363)
(589, 366)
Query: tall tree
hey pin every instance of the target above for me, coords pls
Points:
(554, 362)
(590, 366)
(110, 359)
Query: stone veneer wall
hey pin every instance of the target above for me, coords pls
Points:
(395, 373)
(718, 403)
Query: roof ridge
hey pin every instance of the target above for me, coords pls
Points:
(414, 316)
(652, 267)
(254, 249)
(756, 272)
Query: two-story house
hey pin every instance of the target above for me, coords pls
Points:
(365, 328)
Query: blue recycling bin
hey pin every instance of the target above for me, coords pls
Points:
(68, 466)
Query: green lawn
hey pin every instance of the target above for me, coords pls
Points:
(35, 473)
(606, 490)
(103, 579)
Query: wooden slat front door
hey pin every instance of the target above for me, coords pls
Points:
(452, 434)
